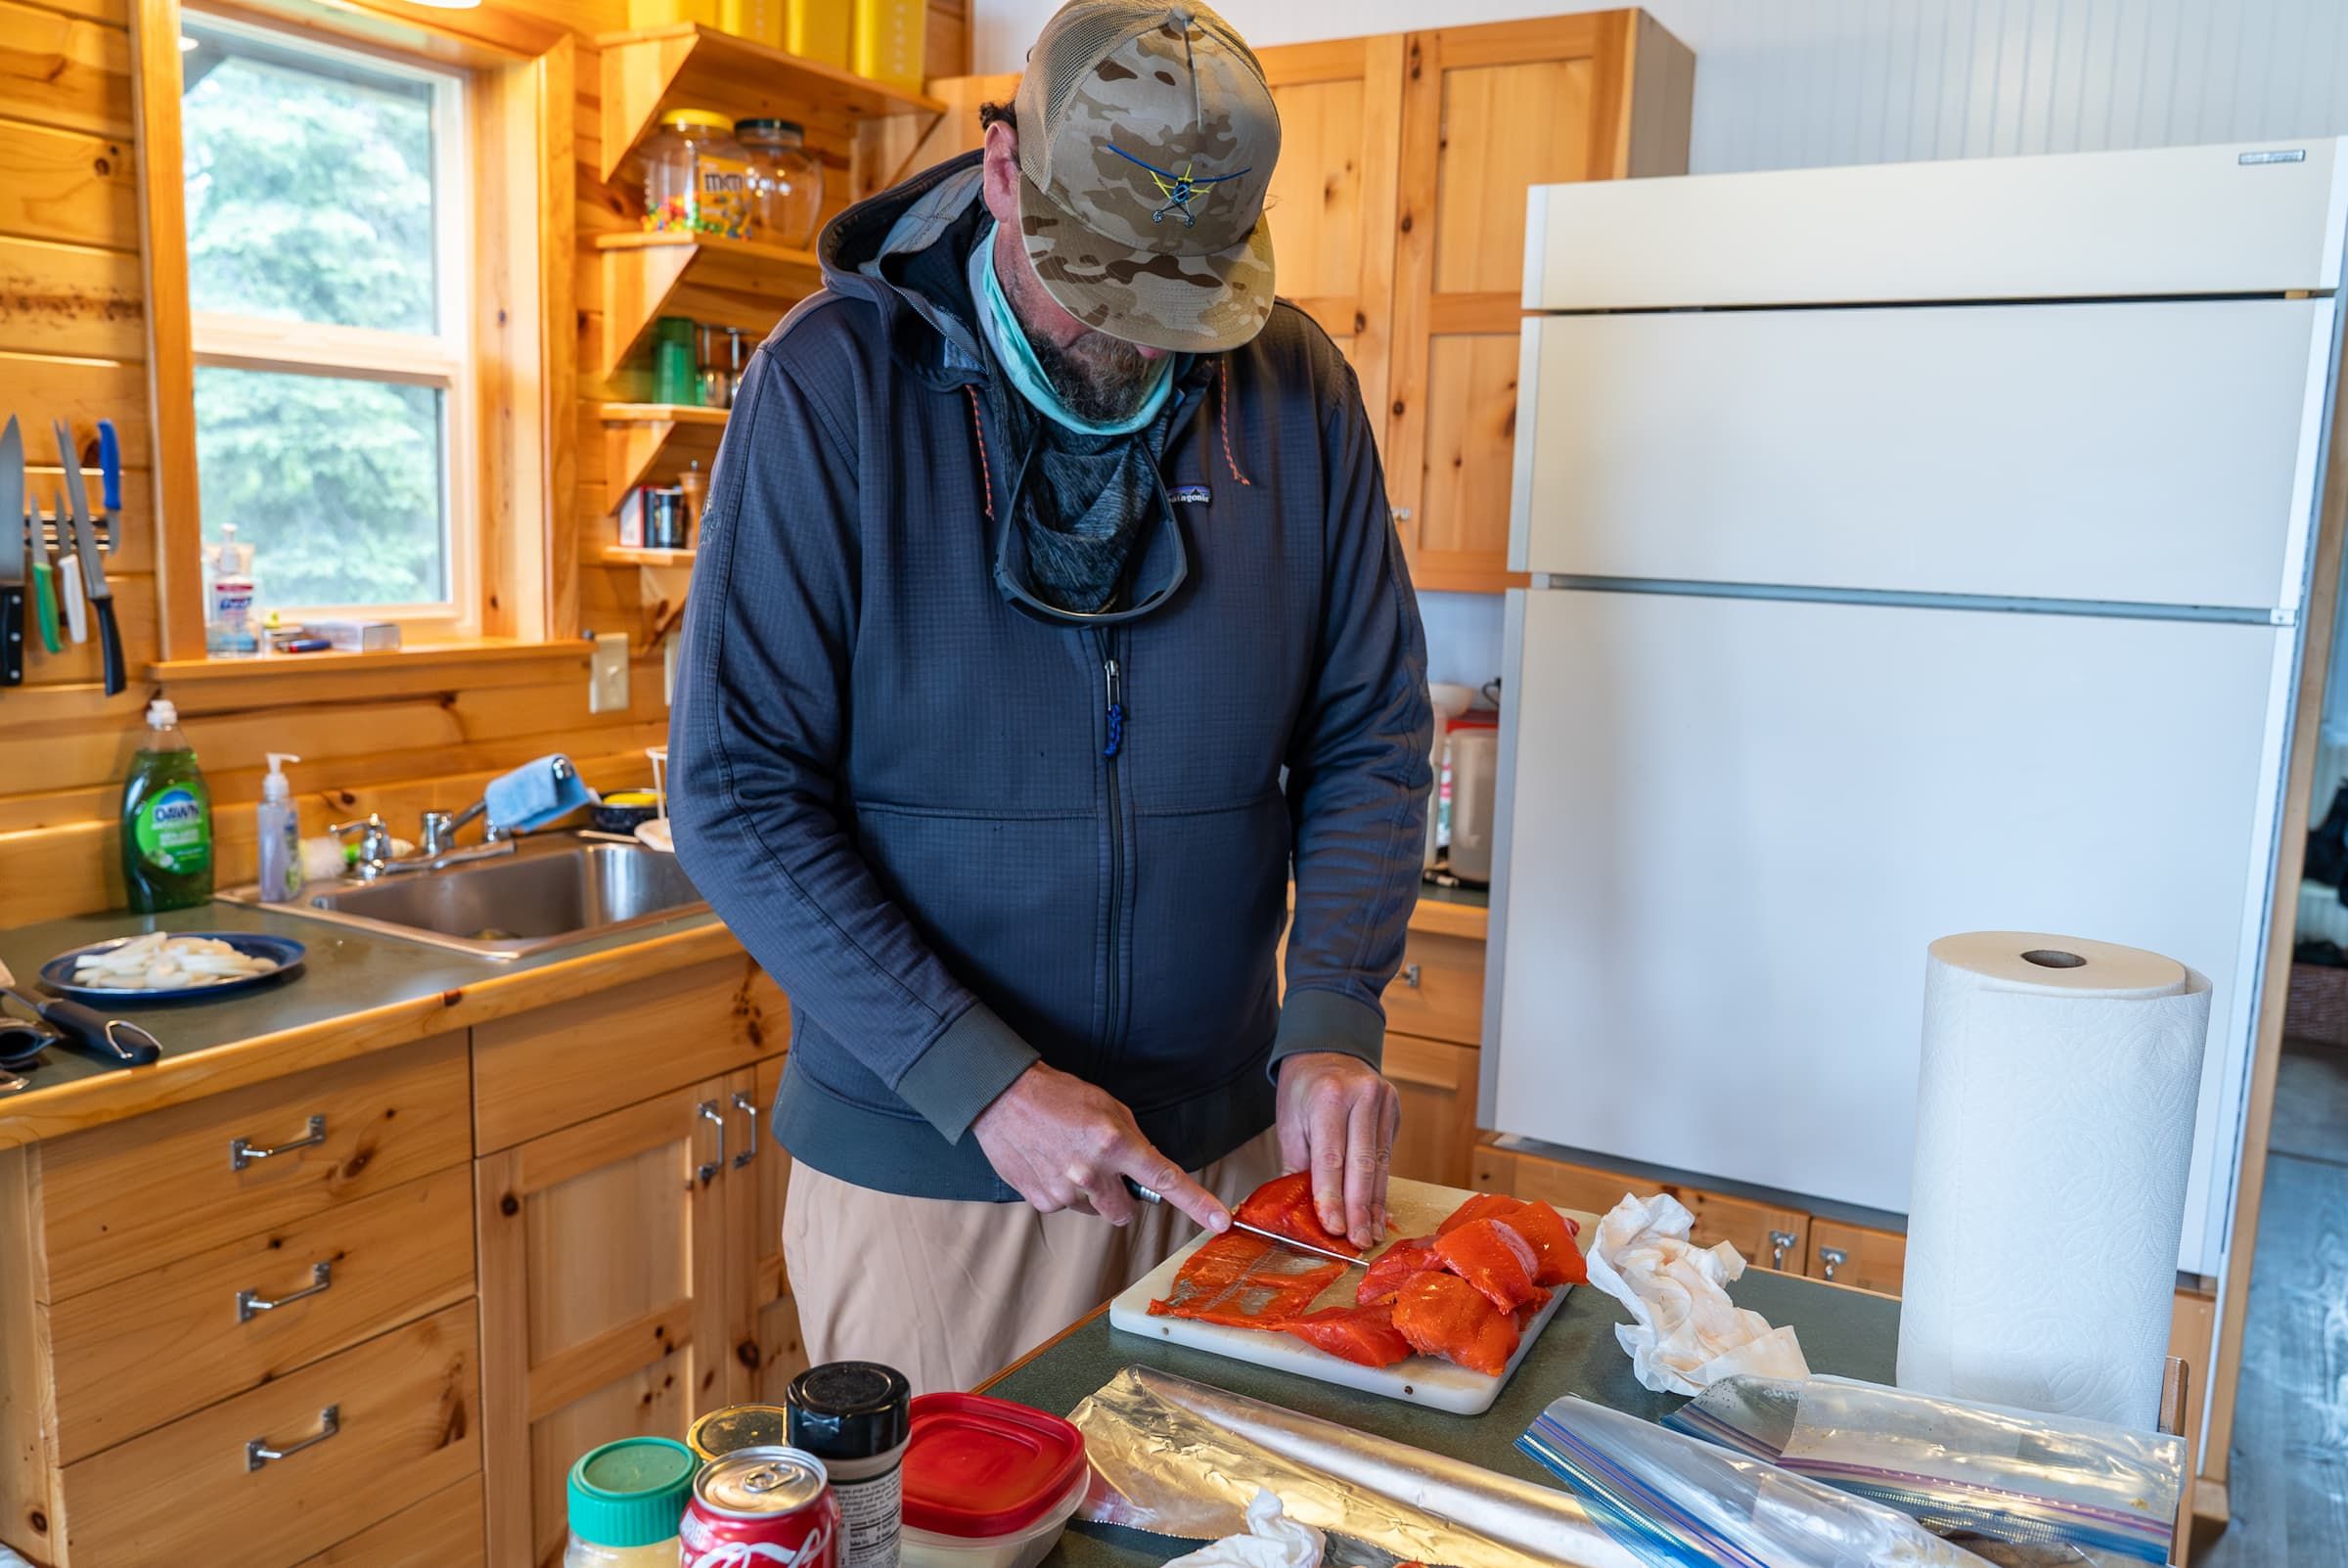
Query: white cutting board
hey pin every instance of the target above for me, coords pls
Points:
(1414, 1208)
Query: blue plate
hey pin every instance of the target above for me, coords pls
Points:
(58, 973)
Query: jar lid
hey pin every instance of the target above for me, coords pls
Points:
(790, 128)
(631, 1493)
(849, 1409)
(709, 118)
(978, 1466)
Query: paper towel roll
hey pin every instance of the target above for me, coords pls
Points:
(2053, 1134)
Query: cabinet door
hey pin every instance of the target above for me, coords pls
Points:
(767, 1342)
(1438, 1086)
(603, 1298)
(1488, 112)
(1856, 1255)
(1332, 200)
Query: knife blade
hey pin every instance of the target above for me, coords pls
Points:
(12, 563)
(93, 565)
(1237, 1224)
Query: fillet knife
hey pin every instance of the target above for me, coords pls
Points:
(93, 565)
(1274, 1236)
(12, 563)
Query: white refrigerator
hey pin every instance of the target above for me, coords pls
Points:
(1915, 548)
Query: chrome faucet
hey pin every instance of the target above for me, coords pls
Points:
(379, 854)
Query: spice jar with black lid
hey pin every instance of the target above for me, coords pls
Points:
(855, 1416)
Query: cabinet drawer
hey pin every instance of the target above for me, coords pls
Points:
(1439, 994)
(132, 1195)
(444, 1531)
(407, 1426)
(1769, 1236)
(561, 1065)
(1438, 1086)
(149, 1349)
(1856, 1255)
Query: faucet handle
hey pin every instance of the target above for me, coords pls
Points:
(375, 839)
(439, 833)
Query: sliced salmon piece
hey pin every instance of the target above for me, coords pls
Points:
(1440, 1314)
(1247, 1282)
(1482, 1206)
(1283, 1206)
(1558, 1260)
(1364, 1335)
(1494, 1259)
(1404, 1257)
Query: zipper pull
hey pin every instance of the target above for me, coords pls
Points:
(1116, 709)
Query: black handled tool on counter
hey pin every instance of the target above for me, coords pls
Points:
(15, 555)
(93, 565)
(117, 1042)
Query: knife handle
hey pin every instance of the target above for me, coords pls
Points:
(117, 1041)
(110, 465)
(44, 603)
(110, 647)
(12, 635)
(78, 616)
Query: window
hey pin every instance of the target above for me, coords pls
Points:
(328, 259)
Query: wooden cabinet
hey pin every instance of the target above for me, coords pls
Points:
(1439, 991)
(767, 1340)
(1856, 1255)
(1437, 1083)
(1770, 1235)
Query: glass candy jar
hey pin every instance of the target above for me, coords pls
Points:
(786, 181)
(697, 177)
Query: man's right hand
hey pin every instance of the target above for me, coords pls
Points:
(1063, 1143)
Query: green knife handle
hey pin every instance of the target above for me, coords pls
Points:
(44, 604)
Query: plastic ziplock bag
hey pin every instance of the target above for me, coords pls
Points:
(2063, 1490)
(1678, 1502)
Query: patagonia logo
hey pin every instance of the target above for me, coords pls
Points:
(1196, 494)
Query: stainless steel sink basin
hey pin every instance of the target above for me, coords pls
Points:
(550, 892)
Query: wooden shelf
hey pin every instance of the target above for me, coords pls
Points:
(629, 556)
(720, 281)
(650, 443)
(652, 70)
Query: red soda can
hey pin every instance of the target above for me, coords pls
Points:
(761, 1507)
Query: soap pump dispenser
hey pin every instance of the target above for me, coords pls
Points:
(279, 834)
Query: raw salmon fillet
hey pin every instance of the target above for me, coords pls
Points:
(1246, 1283)
(1364, 1335)
(1283, 1206)
(1440, 1314)
(1558, 1260)
(1496, 1260)
(1408, 1256)
(1482, 1206)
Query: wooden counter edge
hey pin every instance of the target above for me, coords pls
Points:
(1451, 919)
(69, 1107)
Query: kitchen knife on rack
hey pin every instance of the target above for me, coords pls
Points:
(40, 548)
(14, 563)
(109, 487)
(73, 610)
(93, 565)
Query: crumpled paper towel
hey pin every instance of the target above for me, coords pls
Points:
(1273, 1540)
(1689, 1335)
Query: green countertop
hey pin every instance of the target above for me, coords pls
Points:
(1846, 1332)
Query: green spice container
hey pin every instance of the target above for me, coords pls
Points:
(626, 1501)
(676, 373)
(166, 820)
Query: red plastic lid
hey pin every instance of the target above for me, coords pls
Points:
(976, 1466)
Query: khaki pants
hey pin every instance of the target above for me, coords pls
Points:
(951, 1293)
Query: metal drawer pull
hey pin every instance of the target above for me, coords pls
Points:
(1833, 1258)
(710, 1113)
(259, 1452)
(249, 1304)
(242, 1153)
(1781, 1242)
(1410, 975)
(749, 1108)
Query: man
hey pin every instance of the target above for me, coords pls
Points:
(1041, 543)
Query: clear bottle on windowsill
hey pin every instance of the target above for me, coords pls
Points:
(232, 627)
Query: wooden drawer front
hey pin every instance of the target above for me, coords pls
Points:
(1438, 1086)
(444, 1531)
(1770, 1238)
(1864, 1257)
(407, 1411)
(558, 1066)
(143, 1350)
(132, 1195)
(1439, 995)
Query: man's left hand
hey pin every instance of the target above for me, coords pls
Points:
(1337, 1119)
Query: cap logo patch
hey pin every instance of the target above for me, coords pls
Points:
(1179, 189)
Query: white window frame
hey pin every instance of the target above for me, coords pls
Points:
(442, 360)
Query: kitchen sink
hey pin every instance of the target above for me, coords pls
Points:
(550, 892)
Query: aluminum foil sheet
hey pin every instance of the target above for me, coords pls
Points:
(1182, 1458)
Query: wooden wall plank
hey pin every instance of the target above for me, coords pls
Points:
(64, 70)
(38, 388)
(68, 186)
(70, 299)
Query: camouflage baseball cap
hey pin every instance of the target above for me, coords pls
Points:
(1146, 140)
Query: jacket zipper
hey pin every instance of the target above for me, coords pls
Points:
(1113, 716)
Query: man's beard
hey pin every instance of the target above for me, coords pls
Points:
(1103, 379)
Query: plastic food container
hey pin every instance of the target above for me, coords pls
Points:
(988, 1483)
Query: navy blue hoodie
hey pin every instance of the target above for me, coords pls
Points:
(909, 799)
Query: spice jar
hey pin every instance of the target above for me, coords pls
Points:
(675, 379)
(855, 1416)
(697, 177)
(786, 180)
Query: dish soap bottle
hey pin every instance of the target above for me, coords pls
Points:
(278, 831)
(166, 820)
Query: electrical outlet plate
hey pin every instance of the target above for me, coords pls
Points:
(607, 673)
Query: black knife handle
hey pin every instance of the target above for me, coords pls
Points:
(114, 1041)
(12, 635)
(110, 642)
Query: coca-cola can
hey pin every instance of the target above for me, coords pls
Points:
(761, 1506)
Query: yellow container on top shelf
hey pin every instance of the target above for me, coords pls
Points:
(889, 42)
(760, 20)
(818, 30)
(660, 13)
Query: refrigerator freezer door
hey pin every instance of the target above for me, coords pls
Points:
(2254, 218)
(1732, 826)
(2149, 453)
